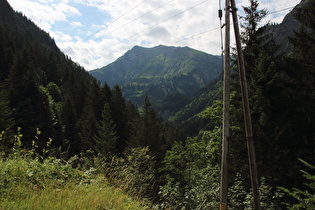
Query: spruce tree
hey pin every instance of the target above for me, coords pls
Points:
(252, 18)
(5, 111)
(299, 84)
(120, 117)
(105, 138)
(148, 130)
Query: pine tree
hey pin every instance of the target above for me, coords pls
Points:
(148, 131)
(6, 122)
(105, 139)
(120, 117)
(89, 118)
(299, 85)
(252, 18)
(252, 52)
(69, 121)
(30, 105)
(5, 111)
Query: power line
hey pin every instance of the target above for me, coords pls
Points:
(163, 21)
(274, 12)
(157, 47)
(114, 20)
(18, 78)
(135, 19)
(3, 84)
(87, 38)
(281, 10)
(124, 24)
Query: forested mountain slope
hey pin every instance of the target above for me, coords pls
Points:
(167, 75)
(274, 37)
(51, 109)
(18, 23)
(45, 94)
(51, 106)
(280, 77)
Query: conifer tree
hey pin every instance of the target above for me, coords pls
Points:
(29, 103)
(148, 130)
(89, 118)
(105, 139)
(252, 18)
(6, 122)
(120, 117)
(299, 85)
(5, 112)
(69, 119)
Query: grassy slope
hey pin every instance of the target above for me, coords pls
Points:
(29, 184)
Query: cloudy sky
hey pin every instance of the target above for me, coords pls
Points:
(94, 33)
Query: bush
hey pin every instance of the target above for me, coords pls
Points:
(134, 172)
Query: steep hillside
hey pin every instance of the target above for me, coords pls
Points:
(187, 118)
(45, 94)
(20, 24)
(269, 36)
(48, 100)
(160, 72)
(279, 34)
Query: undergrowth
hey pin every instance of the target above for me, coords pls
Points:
(33, 180)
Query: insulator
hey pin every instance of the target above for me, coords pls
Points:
(220, 13)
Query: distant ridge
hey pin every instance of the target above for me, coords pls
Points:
(160, 72)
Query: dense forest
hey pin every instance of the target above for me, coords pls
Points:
(51, 106)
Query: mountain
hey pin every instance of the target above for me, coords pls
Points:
(279, 34)
(167, 75)
(19, 23)
(45, 95)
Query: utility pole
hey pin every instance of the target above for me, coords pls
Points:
(226, 112)
(247, 116)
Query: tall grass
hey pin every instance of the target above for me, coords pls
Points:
(31, 179)
(31, 184)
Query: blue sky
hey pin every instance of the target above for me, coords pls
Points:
(94, 33)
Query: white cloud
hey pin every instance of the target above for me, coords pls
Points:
(65, 10)
(76, 23)
(148, 23)
(44, 13)
(158, 31)
(61, 37)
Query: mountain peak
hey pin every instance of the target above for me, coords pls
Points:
(159, 72)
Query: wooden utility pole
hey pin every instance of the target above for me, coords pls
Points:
(226, 112)
(246, 109)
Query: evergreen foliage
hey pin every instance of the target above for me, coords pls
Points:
(304, 199)
(105, 137)
(251, 20)
(168, 75)
(60, 111)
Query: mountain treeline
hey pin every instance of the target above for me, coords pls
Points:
(47, 99)
(169, 76)
(44, 91)
(281, 93)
